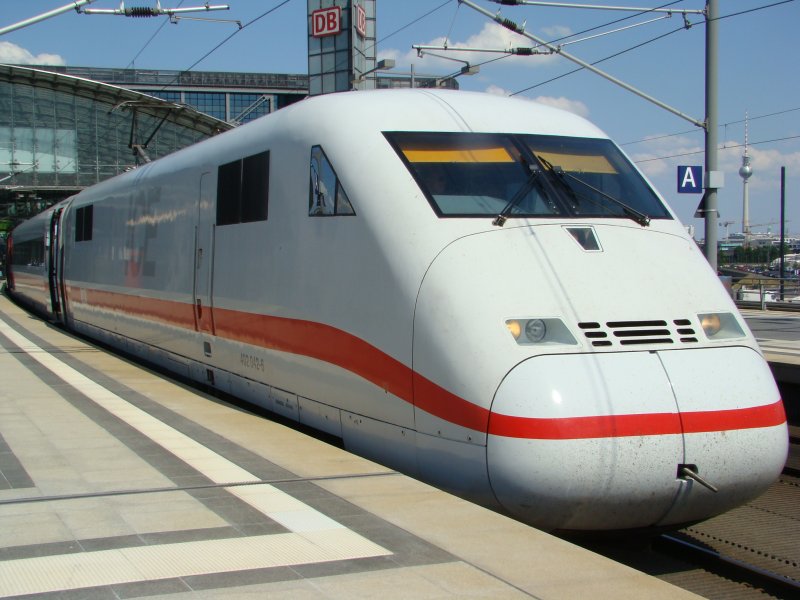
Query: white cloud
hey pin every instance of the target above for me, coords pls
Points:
(574, 106)
(16, 55)
(557, 32)
(390, 53)
(682, 149)
(767, 165)
(496, 90)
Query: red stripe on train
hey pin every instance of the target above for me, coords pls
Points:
(329, 344)
(606, 426)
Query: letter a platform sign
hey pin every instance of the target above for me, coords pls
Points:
(690, 179)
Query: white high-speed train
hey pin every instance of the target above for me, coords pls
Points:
(481, 292)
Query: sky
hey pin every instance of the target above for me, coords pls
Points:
(759, 75)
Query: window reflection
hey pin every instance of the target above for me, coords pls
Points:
(326, 194)
(481, 174)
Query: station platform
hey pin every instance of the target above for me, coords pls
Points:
(116, 482)
(778, 336)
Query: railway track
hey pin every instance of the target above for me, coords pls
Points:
(747, 553)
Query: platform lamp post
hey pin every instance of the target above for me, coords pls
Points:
(383, 65)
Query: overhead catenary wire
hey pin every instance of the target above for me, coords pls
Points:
(667, 135)
(615, 21)
(597, 62)
(152, 37)
(452, 24)
(410, 23)
(749, 10)
(264, 14)
(274, 8)
(736, 14)
(524, 51)
(445, 3)
(223, 42)
(618, 30)
(508, 24)
(577, 33)
(731, 147)
(339, 64)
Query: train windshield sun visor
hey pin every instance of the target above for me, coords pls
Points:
(501, 176)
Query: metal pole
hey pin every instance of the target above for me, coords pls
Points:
(783, 207)
(76, 4)
(713, 177)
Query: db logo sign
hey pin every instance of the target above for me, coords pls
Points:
(326, 21)
(361, 21)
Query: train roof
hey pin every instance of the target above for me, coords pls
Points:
(352, 117)
(439, 110)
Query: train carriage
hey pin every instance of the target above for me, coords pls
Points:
(481, 292)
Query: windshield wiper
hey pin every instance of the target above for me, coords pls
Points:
(502, 216)
(630, 212)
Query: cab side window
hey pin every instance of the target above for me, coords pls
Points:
(326, 196)
(243, 189)
(84, 218)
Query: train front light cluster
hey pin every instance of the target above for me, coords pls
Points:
(720, 326)
(540, 331)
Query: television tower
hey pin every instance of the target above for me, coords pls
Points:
(745, 172)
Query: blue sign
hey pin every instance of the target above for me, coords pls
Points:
(690, 179)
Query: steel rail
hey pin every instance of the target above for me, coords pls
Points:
(717, 563)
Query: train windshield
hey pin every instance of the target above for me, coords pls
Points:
(505, 175)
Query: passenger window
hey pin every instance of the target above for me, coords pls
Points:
(243, 190)
(84, 218)
(326, 196)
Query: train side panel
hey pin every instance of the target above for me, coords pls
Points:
(255, 323)
(116, 278)
(28, 264)
(286, 312)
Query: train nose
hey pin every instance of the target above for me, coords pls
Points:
(597, 441)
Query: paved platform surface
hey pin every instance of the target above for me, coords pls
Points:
(118, 483)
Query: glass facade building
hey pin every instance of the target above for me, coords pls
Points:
(229, 96)
(60, 134)
(53, 138)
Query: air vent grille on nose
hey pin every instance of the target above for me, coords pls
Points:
(634, 333)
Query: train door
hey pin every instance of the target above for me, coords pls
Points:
(54, 264)
(10, 261)
(204, 257)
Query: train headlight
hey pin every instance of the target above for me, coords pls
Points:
(515, 327)
(710, 323)
(540, 331)
(720, 326)
(535, 330)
